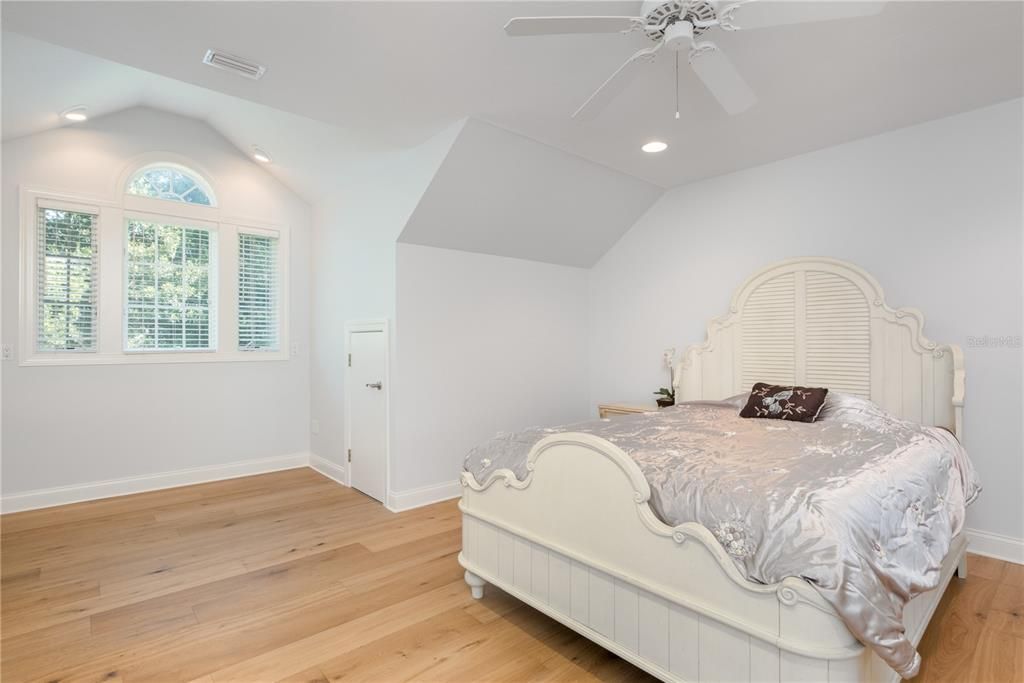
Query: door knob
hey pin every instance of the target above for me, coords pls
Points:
(375, 385)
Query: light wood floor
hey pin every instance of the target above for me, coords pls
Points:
(290, 577)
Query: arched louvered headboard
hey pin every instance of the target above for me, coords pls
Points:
(824, 322)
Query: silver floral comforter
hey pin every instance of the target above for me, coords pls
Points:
(860, 504)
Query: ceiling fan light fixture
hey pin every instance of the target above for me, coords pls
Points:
(654, 146)
(679, 36)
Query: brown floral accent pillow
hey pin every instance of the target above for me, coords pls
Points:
(773, 401)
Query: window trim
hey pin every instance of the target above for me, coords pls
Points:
(228, 303)
(32, 267)
(28, 310)
(113, 285)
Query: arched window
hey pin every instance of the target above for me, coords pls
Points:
(172, 182)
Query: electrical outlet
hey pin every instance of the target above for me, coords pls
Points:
(6, 352)
(295, 350)
(314, 426)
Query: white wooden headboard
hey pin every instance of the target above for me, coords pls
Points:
(824, 322)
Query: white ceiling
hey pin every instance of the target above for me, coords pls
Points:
(388, 75)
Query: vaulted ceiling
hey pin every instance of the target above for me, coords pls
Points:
(501, 193)
(351, 85)
(391, 74)
(41, 79)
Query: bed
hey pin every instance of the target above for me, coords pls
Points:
(577, 539)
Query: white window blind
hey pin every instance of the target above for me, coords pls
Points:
(257, 292)
(169, 305)
(67, 272)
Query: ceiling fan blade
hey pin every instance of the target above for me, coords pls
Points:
(616, 83)
(719, 76)
(750, 14)
(549, 26)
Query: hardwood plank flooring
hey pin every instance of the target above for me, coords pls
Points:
(290, 577)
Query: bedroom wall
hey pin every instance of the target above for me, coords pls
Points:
(354, 236)
(933, 211)
(66, 426)
(491, 319)
(485, 344)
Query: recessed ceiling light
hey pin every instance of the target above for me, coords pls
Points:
(260, 156)
(654, 147)
(75, 114)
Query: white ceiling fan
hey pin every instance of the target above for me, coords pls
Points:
(677, 25)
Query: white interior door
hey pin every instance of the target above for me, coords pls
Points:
(368, 412)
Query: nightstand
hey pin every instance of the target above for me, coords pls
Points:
(612, 409)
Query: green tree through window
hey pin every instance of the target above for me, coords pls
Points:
(167, 182)
(67, 272)
(169, 303)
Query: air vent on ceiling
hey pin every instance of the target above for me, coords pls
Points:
(242, 67)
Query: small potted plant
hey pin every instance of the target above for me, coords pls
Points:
(668, 394)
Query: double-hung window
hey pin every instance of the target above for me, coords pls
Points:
(258, 287)
(67, 272)
(170, 293)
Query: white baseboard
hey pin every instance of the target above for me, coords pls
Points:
(79, 493)
(331, 470)
(995, 545)
(399, 501)
(62, 495)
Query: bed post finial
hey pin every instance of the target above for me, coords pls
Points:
(959, 384)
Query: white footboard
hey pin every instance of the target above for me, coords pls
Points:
(578, 541)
